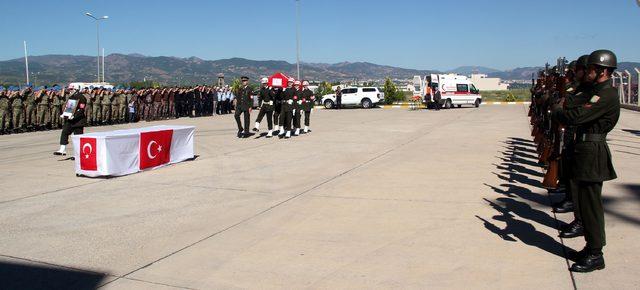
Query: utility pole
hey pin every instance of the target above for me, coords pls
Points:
(26, 61)
(103, 64)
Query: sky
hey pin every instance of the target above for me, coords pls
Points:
(419, 34)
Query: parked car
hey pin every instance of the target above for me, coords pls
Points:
(365, 97)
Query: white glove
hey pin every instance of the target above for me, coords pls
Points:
(62, 116)
(289, 102)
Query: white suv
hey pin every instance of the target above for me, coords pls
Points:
(366, 97)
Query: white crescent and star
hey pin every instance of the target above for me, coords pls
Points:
(86, 155)
(151, 156)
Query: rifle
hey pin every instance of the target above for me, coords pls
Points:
(552, 176)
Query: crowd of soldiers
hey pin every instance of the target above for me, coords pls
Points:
(573, 108)
(36, 109)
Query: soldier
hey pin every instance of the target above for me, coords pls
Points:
(244, 105)
(89, 107)
(286, 115)
(97, 106)
(73, 124)
(297, 106)
(106, 106)
(4, 111)
(171, 110)
(115, 106)
(122, 106)
(42, 101)
(148, 104)
(266, 107)
(158, 95)
(30, 108)
(308, 102)
(56, 108)
(591, 162)
(276, 96)
(214, 100)
(17, 107)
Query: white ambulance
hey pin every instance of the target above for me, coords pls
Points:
(80, 86)
(455, 90)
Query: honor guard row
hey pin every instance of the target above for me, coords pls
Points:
(573, 108)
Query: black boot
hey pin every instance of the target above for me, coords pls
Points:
(565, 207)
(588, 263)
(573, 230)
(577, 256)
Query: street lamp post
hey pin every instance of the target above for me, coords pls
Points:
(298, 37)
(97, 36)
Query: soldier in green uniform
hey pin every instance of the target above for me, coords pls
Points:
(122, 106)
(308, 101)
(42, 99)
(30, 108)
(115, 106)
(88, 109)
(106, 106)
(592, 164)
(17, 108)
(266, 107)
(96, 115)
(57, 100)
(73, 124)
(243, 106)
(578, 94)
(4, 111)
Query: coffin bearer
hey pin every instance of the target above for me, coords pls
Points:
(308, 101)
(286, 114)
(266, 107)
(243, 106)
(297, 107)
(74, 120)
(592, 164)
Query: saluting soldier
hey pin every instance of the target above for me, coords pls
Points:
(73, 124)
(30, 108)
(308, 102)
(56, 108)
(266, 107)
(4, 111)
(243, 106)
(592, 164)
(97, 106)
(17, 107)
(42, 100)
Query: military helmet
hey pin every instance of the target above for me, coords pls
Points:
(582, 61)
(604, 58)
(264, 80)
(572, 65)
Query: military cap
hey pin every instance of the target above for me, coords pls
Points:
(2, 88)
(244, 78)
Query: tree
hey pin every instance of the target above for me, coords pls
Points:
(323, 89)
(391, 92)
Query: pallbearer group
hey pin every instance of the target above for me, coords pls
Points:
(574, 106)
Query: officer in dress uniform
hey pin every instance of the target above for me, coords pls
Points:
(266, 107)
(73, 124)
(243, 106)
(308, 101)
(276, 96)
(297, 107)
(592, 164)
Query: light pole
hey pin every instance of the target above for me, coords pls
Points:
(298, 37)
(97, 36)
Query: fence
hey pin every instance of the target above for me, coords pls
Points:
(627, 89)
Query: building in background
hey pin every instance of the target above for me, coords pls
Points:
(484, 83)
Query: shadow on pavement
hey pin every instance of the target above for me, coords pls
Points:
(23, 276)
(632, 194)
(518, 169)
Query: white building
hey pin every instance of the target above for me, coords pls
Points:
(484, 83)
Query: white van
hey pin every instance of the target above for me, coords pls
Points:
(455, 90)
(366, 97)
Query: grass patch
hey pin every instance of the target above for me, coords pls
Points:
(516, 95)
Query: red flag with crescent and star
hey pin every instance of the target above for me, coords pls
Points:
(88, 154)
(155, 148)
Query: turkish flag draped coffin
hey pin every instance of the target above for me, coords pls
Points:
(279, 80)
(123, 152)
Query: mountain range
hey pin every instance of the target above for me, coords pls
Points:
(121, 68)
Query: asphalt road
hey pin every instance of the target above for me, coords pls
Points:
(370, 199)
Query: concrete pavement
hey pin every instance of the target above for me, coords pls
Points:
(370, 199)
